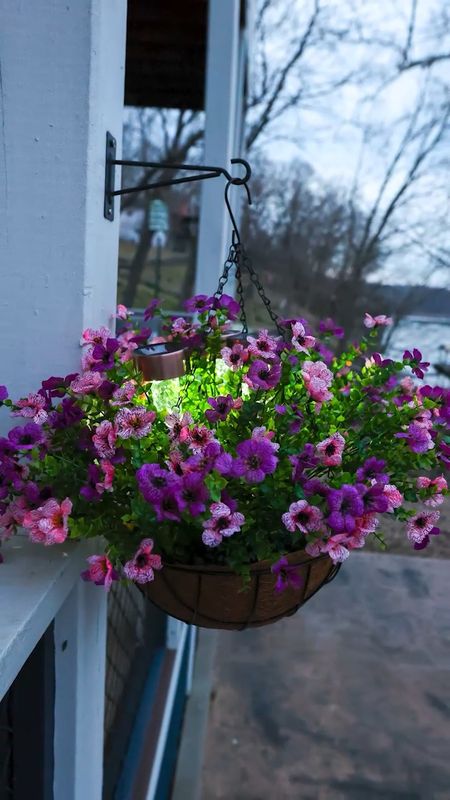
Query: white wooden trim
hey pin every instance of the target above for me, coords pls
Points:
(168, 708)
(34, 583)
(80, 655)
(191, 658)
(221, 98)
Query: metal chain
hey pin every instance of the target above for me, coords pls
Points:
(246, 262)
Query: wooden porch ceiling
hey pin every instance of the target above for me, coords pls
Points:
(166, 53)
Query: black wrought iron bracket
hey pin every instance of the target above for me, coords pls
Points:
(205, 173)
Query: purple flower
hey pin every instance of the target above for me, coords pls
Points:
(373, 468)
(344, 504)
(374, 498)
(286, 574)
(27, 436)
(418, 366)
(68, 413)
(89, 491)
(3, 393)
(228, 304)
(329, 326)
(426, 540)
(307, 459)
(154, 482)
(417, 438)
(103, 355)
(211, 457)
(325, 352)
(263, 375)
(255, 460)
(149, 311)
(220, 408)
(315, 486)
(170, 505)
(142, 337)
(199, 303)
(383, 362)
(107, 389)
(194, 493)
(444, 453)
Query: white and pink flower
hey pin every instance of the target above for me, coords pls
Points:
(317, 379)
(104, 439)
(141, 567)
(235, 357)
(394, 496)
(330, 450)
(300, 339)
(123, 394)
(48, 523)
(95, 336)
(420, 525)
(223, 522)
(263, 345)
(86, 383)
(32, 407)
(303, 517)
(134, 423)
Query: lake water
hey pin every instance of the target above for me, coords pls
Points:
(430, 336)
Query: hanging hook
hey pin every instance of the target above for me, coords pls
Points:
(238, 182)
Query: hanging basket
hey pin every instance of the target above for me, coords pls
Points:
(214, 597)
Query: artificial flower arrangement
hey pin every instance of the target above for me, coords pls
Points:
(268, 446)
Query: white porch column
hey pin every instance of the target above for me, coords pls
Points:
(222, 98)
(61, 89)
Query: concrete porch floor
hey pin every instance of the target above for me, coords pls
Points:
(348, 700)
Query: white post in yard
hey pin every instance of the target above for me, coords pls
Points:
(61, 89)
(221, 103)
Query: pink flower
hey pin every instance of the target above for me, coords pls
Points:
(301, 341)
(32, 407)
(123, 394)
(122, 312)
(394, 496)
(375, 322)
(435, 487)
(303, 516)
(330, 450)
(92, 336)
(127, 347)
(12, 517)
(100, 571)
(235, 357)
(317, 379)
(199, 437)
(86, 383)
(104, 439)
(420, 525)
(141, 567)
(134, 423)
(263, 346)
(48, 523)
(108, 471)
(223, 522)
(87, 360)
